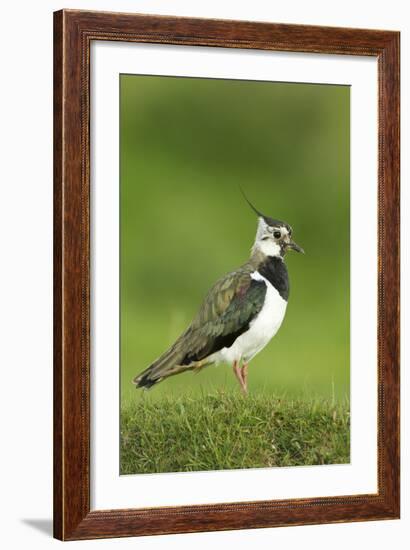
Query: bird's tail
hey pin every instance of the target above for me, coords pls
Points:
(165, 366)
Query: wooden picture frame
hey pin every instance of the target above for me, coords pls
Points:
(74, 32)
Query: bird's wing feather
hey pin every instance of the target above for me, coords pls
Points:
(225, 314)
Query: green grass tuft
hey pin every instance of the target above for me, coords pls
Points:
(225, 431)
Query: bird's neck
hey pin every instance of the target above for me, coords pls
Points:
(274, 270)
(258, 258)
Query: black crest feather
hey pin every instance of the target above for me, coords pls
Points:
(270, 221)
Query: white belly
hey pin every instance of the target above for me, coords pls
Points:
(261, 329)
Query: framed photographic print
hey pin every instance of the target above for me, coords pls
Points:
(226, 275)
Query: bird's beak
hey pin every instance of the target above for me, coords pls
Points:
(294, 246)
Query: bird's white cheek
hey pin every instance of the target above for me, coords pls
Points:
(269, 248)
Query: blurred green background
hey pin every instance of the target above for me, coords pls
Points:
(186, 145)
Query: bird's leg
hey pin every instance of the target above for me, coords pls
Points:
(238, 373)
(244, 376)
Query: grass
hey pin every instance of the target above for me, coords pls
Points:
(224, 430)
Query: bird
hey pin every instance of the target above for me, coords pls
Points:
(240, 314)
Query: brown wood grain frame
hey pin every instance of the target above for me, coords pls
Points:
(73, 33)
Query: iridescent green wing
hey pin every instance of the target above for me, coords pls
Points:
(225, 314)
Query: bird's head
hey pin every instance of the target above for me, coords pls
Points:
(273, 237)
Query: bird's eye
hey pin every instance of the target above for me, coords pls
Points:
(277, 234)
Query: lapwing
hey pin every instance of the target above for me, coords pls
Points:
(240, 314)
